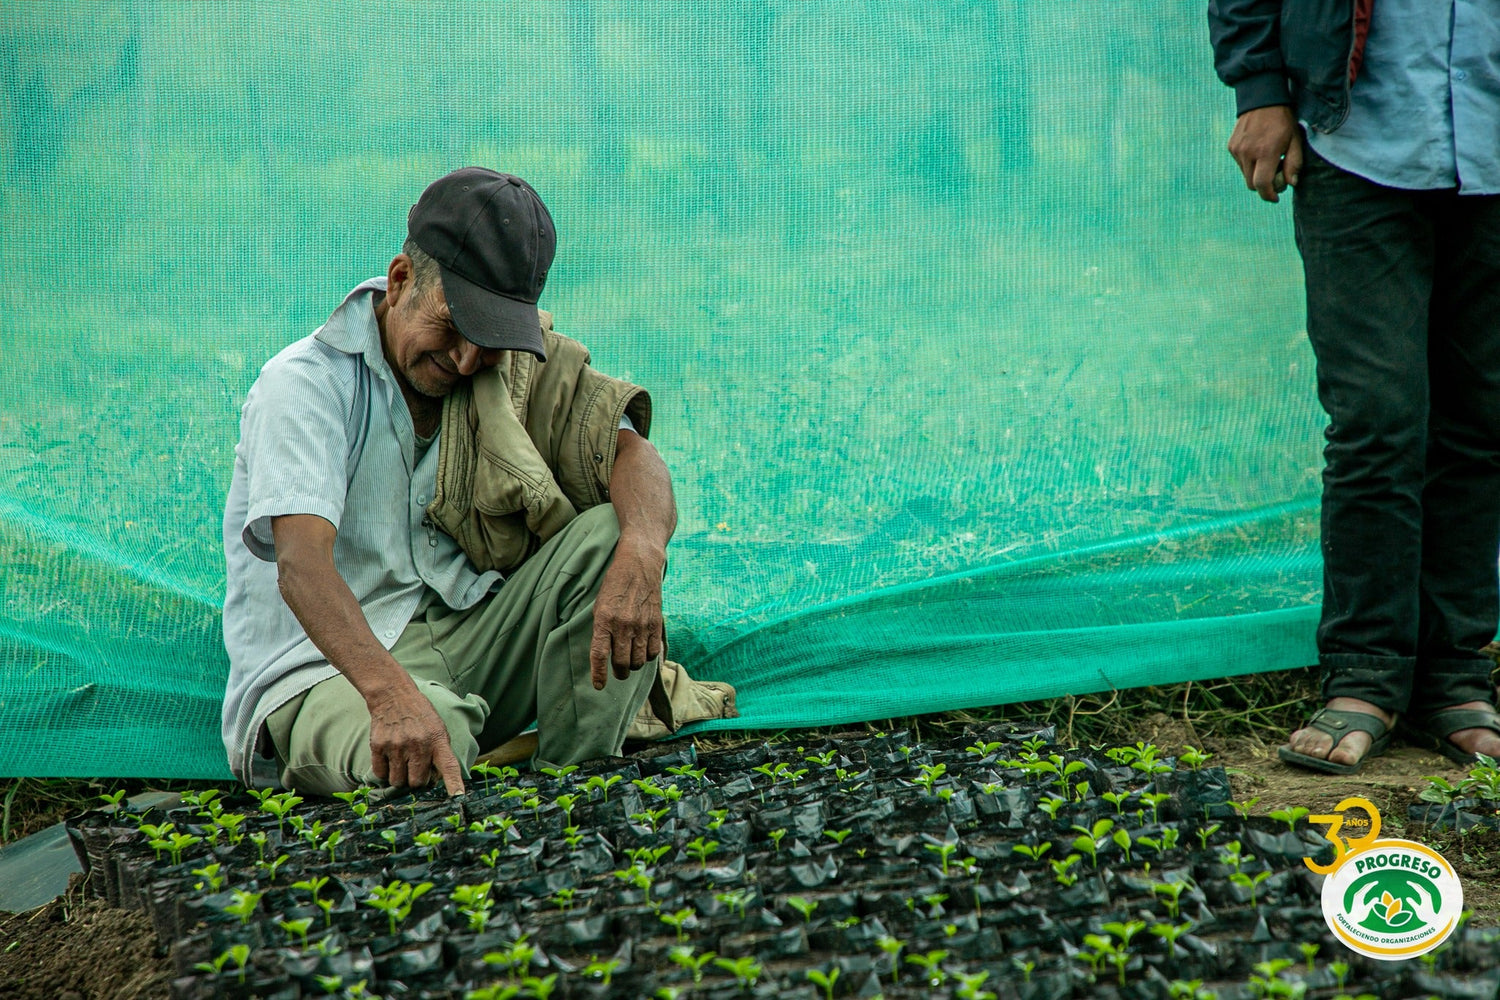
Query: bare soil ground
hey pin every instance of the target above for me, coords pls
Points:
(1391, 782)
(77, 948)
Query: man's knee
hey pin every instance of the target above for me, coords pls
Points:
(312, 778)
(599, 522)
(590, 540)
(463, 717)
(578, 723)
(1379, 441)
(328, 749)
(319, 737)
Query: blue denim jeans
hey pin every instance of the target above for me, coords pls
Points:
(1403, 311)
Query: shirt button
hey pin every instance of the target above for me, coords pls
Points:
(422, 499)
(390, 633)
(432, 540)
(1460, 75)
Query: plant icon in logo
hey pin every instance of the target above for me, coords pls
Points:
(1390, 902)
(1393, 910)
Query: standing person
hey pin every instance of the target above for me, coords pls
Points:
(1384, 117)
(410, 579)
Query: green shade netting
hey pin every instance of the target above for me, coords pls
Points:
(980, 375)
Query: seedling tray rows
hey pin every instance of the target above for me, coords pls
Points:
(994, 864)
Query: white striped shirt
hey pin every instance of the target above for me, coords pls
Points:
(326, 431)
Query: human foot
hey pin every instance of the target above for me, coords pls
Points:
(1480, 733)
(1339, 738)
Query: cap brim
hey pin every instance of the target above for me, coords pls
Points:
(490, 320)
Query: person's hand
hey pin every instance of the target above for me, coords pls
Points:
(628, 628)
(409, 743)
(1267, 144)
(1362, 908)
(1421, 906)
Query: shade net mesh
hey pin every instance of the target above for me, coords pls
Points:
(980, 376)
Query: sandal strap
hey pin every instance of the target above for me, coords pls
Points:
(1448, 721)
(1339, 723)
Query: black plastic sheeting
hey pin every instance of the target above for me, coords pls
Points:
(861, 866)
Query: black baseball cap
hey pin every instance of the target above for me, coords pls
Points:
(494, 241)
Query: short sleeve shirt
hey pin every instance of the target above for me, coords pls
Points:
(325, 430)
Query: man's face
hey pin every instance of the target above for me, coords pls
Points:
(425, 349)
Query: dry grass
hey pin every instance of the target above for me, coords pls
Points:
(1256, 705)
(31, 804)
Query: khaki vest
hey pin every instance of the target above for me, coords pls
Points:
(525, 446)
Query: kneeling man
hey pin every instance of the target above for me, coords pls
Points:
(443, 524)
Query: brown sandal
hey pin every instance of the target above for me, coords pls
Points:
(1433, 729)
(1339, 723)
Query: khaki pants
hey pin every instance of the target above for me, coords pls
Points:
(520, 655)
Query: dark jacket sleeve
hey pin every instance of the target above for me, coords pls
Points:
(1246, 36)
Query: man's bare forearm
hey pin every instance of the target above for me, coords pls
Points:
(408, 741)
(640, 489)
(332, 618)
(330, 615)
(628, 627)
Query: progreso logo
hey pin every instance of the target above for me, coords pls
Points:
(1386, 899)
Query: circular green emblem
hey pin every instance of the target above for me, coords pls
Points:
(1394, 900)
